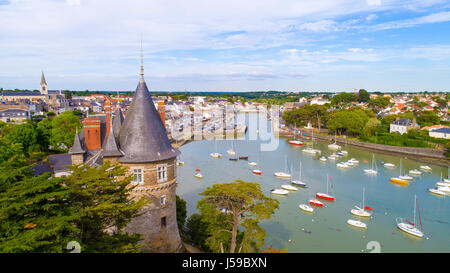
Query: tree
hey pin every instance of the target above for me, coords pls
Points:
(244, 204)
(343, 99)
(26, 135)
(44, 133)
(379, 103)
(428, 118)
(68, 94)
(373, 125)
(181, 212)
(63, 130)
(363, 95)
(103, 208)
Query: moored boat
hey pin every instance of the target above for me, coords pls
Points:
(356, 223)
(437, 191)
(280, 191)
(409, 227)
(315, 202)
(306, 208)
(295, 142)
(258, 172)
(289, 187)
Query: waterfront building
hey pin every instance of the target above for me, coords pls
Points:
(403, 125)
(440, 133)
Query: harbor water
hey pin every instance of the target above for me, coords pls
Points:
(326, 230)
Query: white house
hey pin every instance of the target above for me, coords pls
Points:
(440, 133)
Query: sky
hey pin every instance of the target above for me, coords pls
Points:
(227, 45)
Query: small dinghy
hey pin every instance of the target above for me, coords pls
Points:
(233, 158)
(356, 223)
(258, 172)
(253, 164)
(306, 208)
(215, 155)
(289, 187)
(342, 165)
(198, 175)
(323, 159)
(280, 192)
(425, 167)
(295, 142)
(243, 157)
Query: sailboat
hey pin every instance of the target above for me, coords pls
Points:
(356, 223)
(442, 183)
(372, 171)
(231, 151)
(334, 145)
(289, 187)
(311, 150)
(279, 191)
(295, 142)
(425, 168)
(398, 180)
(283, 174)
(254, 164)
(215, 154)
(306, 208)
(404, 176)
(361, 211)
(409, 227)
(299, 182)
(325, 195)
(447, 180)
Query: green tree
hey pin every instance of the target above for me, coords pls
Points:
(363, 95)
(343, 99)
(103, 208)
(373, 125)
(68, 94)
(428, 118)
(26, 135)
(244, 205)
(181, 212)
(379, 103)
(63, 130)
(44, 133)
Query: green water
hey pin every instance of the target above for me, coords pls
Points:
(329, 229)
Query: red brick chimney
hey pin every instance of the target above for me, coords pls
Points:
(92, 133)
(162, 112)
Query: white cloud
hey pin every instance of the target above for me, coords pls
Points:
(371, 17)
(373, 2)
(73, 2)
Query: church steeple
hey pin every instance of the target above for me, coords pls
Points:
(43, 86)
(142, 65)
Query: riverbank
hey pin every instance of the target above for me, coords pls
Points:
(433, 156)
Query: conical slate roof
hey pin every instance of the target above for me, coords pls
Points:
(110, 148)
(77, 148)
(117, 123)
(43, 79)
(143, 137)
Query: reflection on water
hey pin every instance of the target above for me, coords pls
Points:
(328, 228)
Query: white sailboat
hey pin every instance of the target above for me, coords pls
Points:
(425, 168)
(311, 150)
(289, 187)
(361, 211)
(437, 191)
(372, 171)
(442, 183)
(306, 208)
(215, 154)
(334, 145)
(447, 180)
(409, 227)
(231, 151)
(389, 165)
(415, 172)
(283, 174)
(404, 176)
(356, 223)
(279, 191)
(299, 182)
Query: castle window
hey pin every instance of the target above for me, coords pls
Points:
(163, 200)
(162, 173)
(163, 222)
(138, 176)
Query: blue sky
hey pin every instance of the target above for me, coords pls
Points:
(233, 45)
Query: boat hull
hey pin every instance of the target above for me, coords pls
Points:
(325, 196)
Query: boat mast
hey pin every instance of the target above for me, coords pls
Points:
(415, 200)
(363, 199)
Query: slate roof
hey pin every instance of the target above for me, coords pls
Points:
(77, 147)
(110, 148)
(403, 122)
(442, 130)
(60, 161)
(117, 123)
(143, 137)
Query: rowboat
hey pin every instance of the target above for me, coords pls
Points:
(306, 208)
(356, 223)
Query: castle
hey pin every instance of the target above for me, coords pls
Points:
(137, 141)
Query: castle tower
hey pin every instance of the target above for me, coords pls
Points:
(77, 151)
(152, 161)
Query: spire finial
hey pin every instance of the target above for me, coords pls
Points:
(142, 62)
